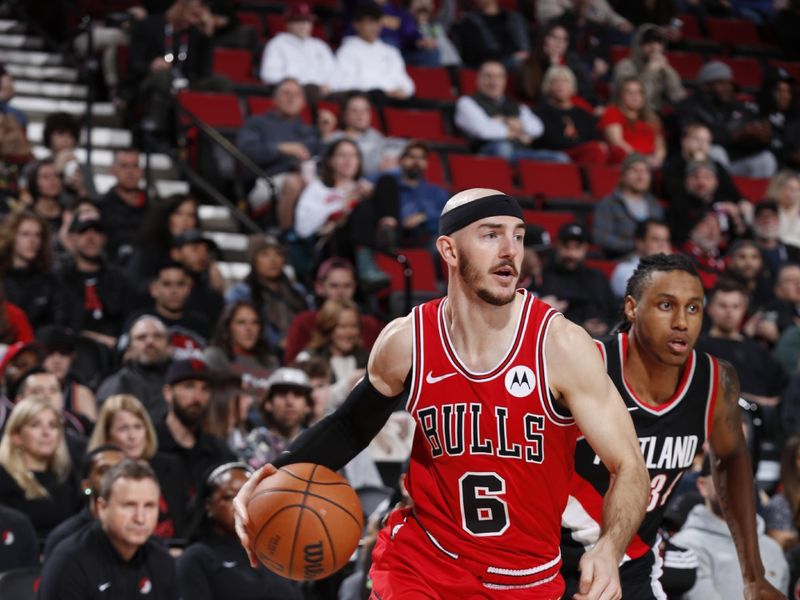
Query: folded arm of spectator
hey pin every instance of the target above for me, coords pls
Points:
(476, 122)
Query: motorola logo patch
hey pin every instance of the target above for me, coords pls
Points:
(520, 381)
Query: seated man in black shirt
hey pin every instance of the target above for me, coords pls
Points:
(95, 464)
(188, 393)
(584, 294)
(115, 557)
(124, 205)
(19, 548)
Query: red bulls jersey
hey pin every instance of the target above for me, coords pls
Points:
(669, 435)
(493, 454)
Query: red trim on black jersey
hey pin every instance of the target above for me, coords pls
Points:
(592, 502)
(452, 355)
(712, 399)
(680, 391)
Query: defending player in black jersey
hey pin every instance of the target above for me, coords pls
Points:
(678, 398)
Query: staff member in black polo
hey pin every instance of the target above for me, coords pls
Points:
(115, 557)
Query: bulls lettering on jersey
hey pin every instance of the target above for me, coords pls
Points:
(669, 435)
(493, 454)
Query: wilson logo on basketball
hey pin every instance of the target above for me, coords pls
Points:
(520, 381)
(314, 556)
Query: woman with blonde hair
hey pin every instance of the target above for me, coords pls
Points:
(124, 422)
(784, 190)
(337, 340)
(35, 468)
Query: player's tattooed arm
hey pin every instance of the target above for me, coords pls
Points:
(733, 481)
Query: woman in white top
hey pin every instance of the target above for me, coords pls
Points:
(784, 190)
(328, 200)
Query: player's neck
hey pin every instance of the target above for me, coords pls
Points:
(481, 332)
(651, 380)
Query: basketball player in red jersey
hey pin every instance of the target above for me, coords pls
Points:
(678, 399)
(498, 383)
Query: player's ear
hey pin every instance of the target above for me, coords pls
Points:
(447, 249)
(630, 308)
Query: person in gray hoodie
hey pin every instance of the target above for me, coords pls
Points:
(705, 532)
(647, 61)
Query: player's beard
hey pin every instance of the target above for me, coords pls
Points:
(471, 276)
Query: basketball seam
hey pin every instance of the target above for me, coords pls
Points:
(358, 522)
(300, 516)
(327, 533)
(269, 520)
(285, 470)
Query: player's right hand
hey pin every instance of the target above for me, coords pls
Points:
(599, 576)
(241, 519)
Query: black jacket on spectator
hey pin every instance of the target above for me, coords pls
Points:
(65, 529)
(759, 373)
(87, 567)
(217, 567)
(587, 291)
(44, 513)
(208, 451)
(150, 39)
(122, 222)
(113, 290)
(145, 382)
(19, 548)
(35, 292)
(205, 300)
(174, 494)
(496, 37)
(558, 122)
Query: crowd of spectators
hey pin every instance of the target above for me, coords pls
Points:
(134, 373)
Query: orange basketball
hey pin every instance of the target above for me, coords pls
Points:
(305, 521)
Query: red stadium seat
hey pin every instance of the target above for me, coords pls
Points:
(690, 29)
(604, 265)
(549, 220)
(619, 52)
(687, 64)
(275, 23)
(602, 180)
(754, 189)
(235, 64)
(423, 278)
(733, 32)
(217, 110)
(252, 19)
(435, 172)
(550, 180)
(420, 124)
(468, 171)
(257, 105)
(746, 71)
(432, 83)
(467, 81)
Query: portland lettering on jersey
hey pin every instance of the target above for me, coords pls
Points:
(444, 427)
(667, 452)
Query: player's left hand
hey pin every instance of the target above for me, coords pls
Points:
(761, 589)
(599, 576)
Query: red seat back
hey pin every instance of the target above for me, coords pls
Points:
(754, 189)
(550, 180)
(746, 71)
(235, 64)
(687, 64)
(549, 220)
(468, 171)
(733, 31)
(601, 264)
(432, 83)
(423, 277)
(217, 110)
(420, 124)
(602, 180)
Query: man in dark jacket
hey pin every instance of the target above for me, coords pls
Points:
(116, 556)
(124, 205)
(491, 32)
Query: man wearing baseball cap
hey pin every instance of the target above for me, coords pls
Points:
(187, 393)
(295, 54)
(583, 293)
(741, 137)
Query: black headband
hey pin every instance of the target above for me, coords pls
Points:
(497, 205)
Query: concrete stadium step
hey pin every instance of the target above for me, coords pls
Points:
(42, 73)
(102, 137)
(164, 187)
(27, 87)
(20, 40)
(35, 58)
(233, 272)
(102, 159)
(217, 218)
(232, 245)
(104, 113)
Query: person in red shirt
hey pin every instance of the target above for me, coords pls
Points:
(335, 279)
(629, 126)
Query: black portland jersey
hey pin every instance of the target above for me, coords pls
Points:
(670, 435)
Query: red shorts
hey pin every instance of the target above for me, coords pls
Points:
(406, 565)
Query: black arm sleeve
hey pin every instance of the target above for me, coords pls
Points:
(338, 438)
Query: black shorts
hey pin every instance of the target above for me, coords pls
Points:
(639, 580)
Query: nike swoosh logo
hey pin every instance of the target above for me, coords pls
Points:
(104, 586)
(431, 379)
(228, 564)
(632, 408)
